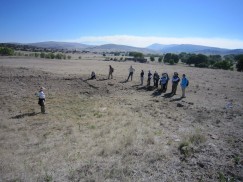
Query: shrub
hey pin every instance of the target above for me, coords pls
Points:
(202, 65)
(225, 65)
(239, 64)
(171, 62)
(5, 51)
(69, 57)
(160, 59)
(59, 56)
(79, 57)
(152, 59)
(136, 54)
(169, 56)
(37, 55)
(42, 55)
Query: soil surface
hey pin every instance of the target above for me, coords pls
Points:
(114, 130)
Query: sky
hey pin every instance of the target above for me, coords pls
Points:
(139, 23)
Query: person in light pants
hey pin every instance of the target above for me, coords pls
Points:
(184, 84)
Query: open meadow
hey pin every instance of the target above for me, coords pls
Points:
(112, 130)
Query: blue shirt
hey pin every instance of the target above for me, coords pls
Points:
(184, 82)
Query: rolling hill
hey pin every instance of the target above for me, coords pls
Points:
(152, 49)
(60, 45)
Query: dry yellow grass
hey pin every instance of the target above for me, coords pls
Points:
(108, 130)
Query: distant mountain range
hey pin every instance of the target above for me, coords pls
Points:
(60, 45)
(190, 48)
(153, 49)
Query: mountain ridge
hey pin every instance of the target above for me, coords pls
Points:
(151, 49)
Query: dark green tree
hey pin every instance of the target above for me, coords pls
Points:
(136, 54)
(239, 64)
(152, 58)
(225, 65)
(169, 56)
(42, 55)
(5, 51)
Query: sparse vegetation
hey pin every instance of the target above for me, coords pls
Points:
(186, 147)
(106, 130)
(5, 51)
(239, 64)
(136, 54)
(171, 58)
(152, 58)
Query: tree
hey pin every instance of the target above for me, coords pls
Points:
(42, 55)
(212, 59)
(239, 64)
(225, 65)
(171, 62)
(69, 57)
(37, 55)
(169, 56)
(59, 56)
(5, 51)
(160, 59)
(183, 56)
(136, 54)
(201, 61)
(152, 58)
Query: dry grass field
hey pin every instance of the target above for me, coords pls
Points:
(112, 130)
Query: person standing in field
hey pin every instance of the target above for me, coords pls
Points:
(42, 99)
(131, 71)
(142, 77)
(149, 78)
(175, 81)
(163, 82)
(184, 84)
(111, 70)
(156, 79)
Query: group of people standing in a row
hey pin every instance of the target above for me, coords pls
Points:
(163, 81)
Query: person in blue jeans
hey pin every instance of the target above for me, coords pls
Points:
(184, 84)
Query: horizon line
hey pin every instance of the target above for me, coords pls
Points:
(145, 41)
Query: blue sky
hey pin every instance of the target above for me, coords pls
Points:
(131, 22)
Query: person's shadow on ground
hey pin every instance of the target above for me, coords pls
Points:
(168, 95)
(24, 115)
(156, 93)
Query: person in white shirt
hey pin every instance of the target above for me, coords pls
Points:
(131, 71)
(42, 99)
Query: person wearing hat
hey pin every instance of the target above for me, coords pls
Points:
(175, 81)
(42, 99)
(184, 84)
(163, 82)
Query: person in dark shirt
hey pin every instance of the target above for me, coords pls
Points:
(142, 77)
(175, 81)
